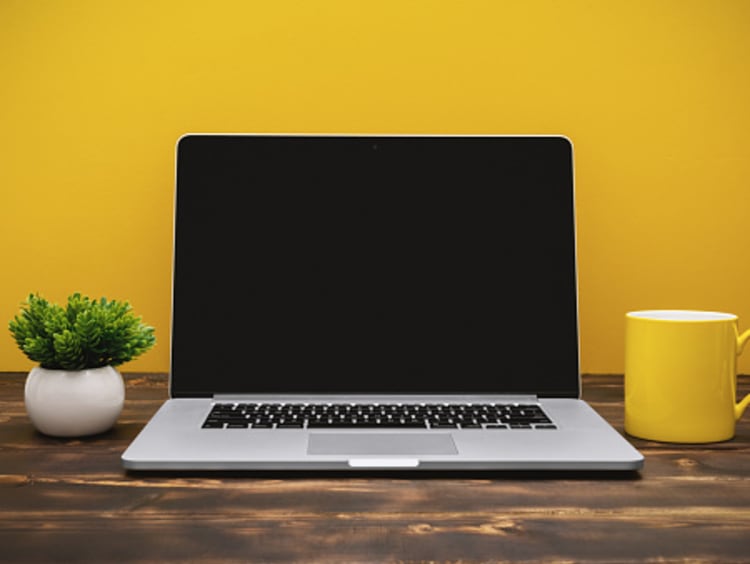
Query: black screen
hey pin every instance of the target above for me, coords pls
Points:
(374, 264)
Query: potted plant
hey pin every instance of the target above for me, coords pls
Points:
(76, 390)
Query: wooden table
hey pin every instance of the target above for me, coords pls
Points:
(70, 500)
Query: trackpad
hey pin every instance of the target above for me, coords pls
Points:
(381, 443)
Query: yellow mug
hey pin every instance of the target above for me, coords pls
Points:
(680, 375)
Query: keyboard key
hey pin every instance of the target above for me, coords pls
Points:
(213, 425)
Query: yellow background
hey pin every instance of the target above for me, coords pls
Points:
(655, 95)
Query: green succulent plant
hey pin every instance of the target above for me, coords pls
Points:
(85, 334)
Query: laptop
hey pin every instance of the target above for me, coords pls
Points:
(399, 302)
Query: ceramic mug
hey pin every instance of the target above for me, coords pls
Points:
(680, 375)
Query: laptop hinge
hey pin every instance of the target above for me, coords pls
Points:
(379, 398)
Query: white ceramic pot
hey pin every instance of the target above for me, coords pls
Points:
(74, 403)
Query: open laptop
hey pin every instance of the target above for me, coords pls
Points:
(375, 302)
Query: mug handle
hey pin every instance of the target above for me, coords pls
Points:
(740, 407)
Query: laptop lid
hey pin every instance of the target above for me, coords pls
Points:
(374, 264)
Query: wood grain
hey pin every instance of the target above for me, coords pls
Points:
(70, 501)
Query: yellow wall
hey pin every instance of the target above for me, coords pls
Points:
(654, 94)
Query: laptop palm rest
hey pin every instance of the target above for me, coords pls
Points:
(380, 444)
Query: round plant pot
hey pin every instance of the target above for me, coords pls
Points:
(74, 403)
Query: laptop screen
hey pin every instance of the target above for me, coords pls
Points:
(374, 264)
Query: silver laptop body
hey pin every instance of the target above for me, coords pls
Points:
(347, 302)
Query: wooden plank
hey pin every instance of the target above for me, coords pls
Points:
(535, 533)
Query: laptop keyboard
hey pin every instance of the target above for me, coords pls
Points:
(359, 416)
